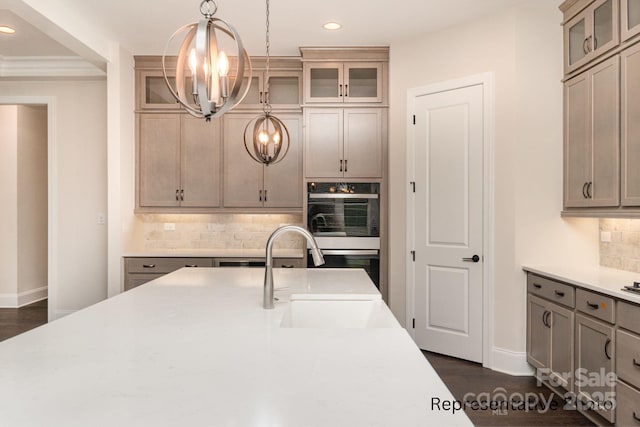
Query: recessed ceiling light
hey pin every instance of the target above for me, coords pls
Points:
(332, 26)
(6, 30)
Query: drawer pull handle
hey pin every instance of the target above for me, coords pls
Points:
(537, 286)
(591, 305)
(606, 348)
(148, 266)
(191, 265)
(635, 417)
(559, 293)
(635, 363)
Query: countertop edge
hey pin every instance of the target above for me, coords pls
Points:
(604, 280)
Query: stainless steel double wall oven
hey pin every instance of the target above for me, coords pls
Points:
(345, 221)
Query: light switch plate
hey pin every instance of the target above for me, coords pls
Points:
(605, 236)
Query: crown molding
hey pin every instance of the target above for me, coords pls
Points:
(47, 66)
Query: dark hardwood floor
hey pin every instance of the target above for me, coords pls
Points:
(471, 380)
(465, 380)
(14, 321)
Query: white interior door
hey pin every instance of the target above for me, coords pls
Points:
(448, 221)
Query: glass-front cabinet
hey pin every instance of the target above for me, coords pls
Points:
(591, 33)
(331, 82)
(630, 18)
(284, 91)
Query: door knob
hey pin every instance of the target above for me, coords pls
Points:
(474, 258)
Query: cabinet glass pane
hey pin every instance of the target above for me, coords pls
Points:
(577, 38)
(324, 83)
(157, 91)
(603, 24)
(363, 82)
(284, 90)
(633, 13)
(253, 96)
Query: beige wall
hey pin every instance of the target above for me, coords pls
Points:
(32, 198)
(522, 46)
(79, 181)
(9, 196)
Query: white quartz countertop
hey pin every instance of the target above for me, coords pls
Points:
(605, 280)
(214, 253)
(196, 348)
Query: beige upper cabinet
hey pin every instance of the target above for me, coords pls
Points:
(344, 142)
(629, 18)
(350, 82)
(590, 33)
(630, 126)
(249, 184)
(592, 137)
(178, 162)
(284, 92)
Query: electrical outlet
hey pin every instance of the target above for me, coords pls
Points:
(102, 219)
(169, 226)
(605, 236)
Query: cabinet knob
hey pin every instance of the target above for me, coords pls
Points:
(265, 195)
(592, 305)
(340, 90)
(260, 195)
(177, 195)
(340, 165)
(345, 164)
(346, 90)
(148, 266)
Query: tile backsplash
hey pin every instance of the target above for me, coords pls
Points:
(623, 251)
(219, 231)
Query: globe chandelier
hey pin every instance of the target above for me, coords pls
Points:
(266, 136)
(213, 88)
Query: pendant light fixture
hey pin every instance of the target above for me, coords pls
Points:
(266, 138)
(213, 90)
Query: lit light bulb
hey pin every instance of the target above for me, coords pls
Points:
(263, 137)
(276, 138)
(223, 64)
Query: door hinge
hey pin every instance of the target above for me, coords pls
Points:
(413, 255)
(413, 185)
(414, 119)
(414, 323)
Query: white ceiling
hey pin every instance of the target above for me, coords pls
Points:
(143, 26)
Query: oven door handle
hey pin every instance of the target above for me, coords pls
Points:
(313, 196)
(367, 252)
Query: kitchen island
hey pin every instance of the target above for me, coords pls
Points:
(195, 348)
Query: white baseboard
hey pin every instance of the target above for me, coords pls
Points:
(510, 362)
(23, 298)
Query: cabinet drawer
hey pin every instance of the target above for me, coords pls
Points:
(596, 305)
(164, 265)
(629, 316)
(134, 280)
(627, 405)
(628, 357)
(551, 290)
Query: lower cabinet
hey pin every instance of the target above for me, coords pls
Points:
(628, 365)
(140, 270)
(550, 341)
(585, 346)
(595, 379)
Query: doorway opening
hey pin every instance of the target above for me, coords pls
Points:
(27, 217)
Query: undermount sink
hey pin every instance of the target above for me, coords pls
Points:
(339, 313)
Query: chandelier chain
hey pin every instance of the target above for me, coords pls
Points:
(267, 105)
